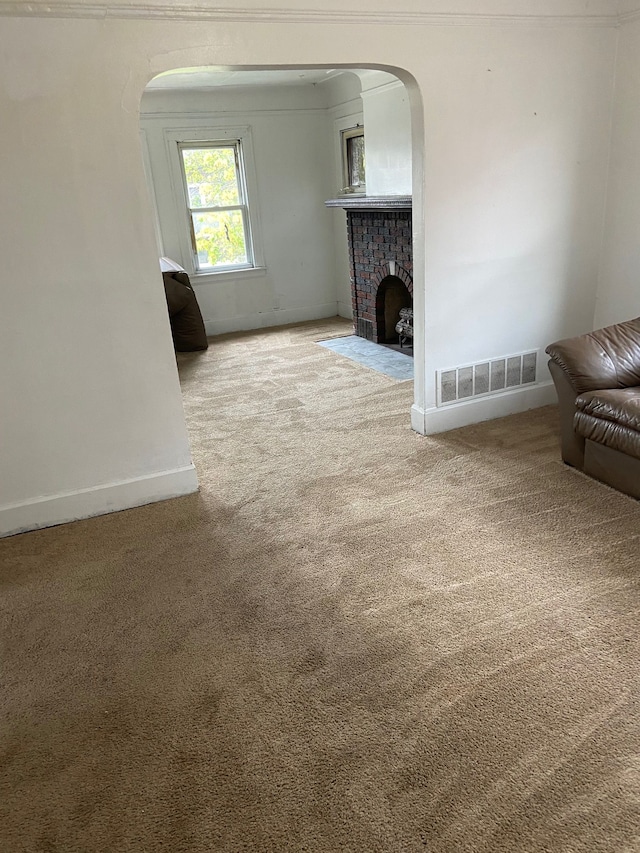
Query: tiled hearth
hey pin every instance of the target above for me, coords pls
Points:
(379, 235)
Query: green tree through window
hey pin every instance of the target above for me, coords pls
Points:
(217, 205)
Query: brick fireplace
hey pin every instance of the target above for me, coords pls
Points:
(379, 236)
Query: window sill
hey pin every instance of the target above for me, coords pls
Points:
(198, 278)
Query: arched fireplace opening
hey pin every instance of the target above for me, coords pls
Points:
(392, 296)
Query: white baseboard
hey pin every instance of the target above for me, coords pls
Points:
(271, 318)
(98, 500)
(444, 418)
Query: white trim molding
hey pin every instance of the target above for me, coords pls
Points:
(202, 12)
(202, 118)
(442, 419)
(98, 500)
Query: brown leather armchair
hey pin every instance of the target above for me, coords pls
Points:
(597, 377)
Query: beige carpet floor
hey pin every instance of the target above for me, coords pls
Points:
(352, 639)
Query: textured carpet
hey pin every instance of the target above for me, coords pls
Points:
(353, 639)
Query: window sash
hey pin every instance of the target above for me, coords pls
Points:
(213, 268)
(243, 206)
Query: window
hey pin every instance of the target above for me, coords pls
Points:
(353, 160)
(217, 208)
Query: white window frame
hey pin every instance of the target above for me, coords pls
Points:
(178, 139)
(242, 205)
(345, 136)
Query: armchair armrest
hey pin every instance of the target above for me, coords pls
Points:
(606, 358)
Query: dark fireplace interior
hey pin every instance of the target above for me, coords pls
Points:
(391, 297)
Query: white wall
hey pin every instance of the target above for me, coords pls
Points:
(387, 121)
(91, 415)
(508, 188)
(293, 165)
(516, 151)
(619, 291)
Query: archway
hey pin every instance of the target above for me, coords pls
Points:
(250, 281)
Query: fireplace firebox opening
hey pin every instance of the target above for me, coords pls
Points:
(392, 296)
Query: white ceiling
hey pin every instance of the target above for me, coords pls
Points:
(209, 78)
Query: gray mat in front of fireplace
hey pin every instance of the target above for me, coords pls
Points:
(387, 361)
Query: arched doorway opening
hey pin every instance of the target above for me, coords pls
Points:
(278, 294)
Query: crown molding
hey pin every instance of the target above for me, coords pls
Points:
(206, 121)
(168, 11)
